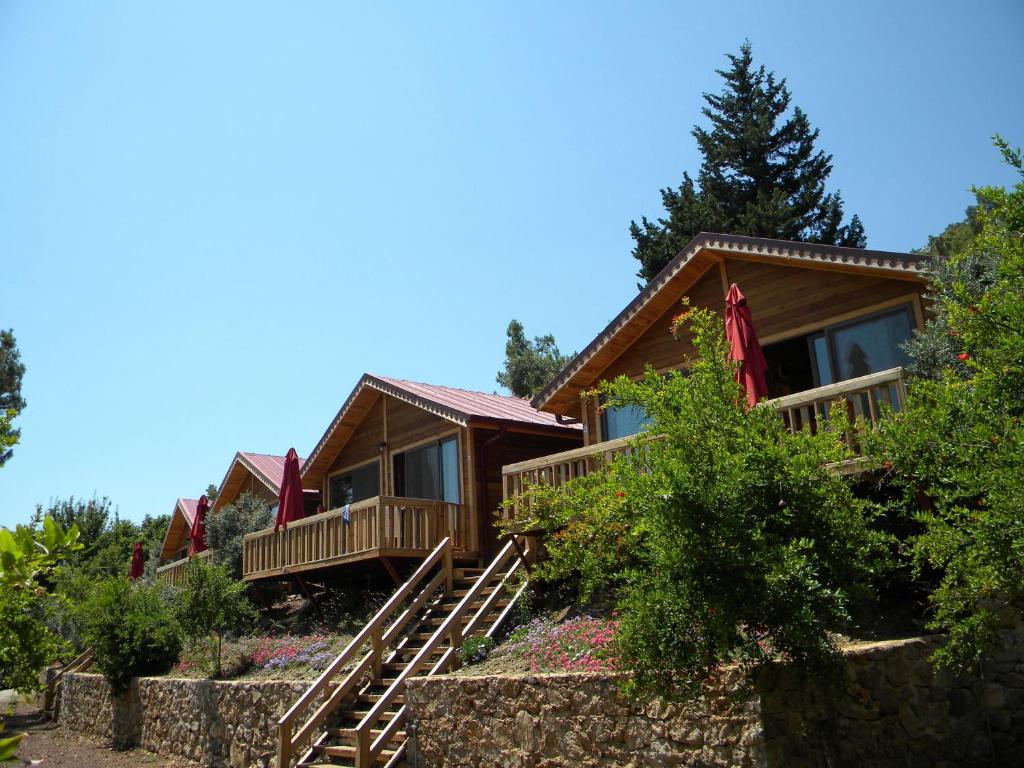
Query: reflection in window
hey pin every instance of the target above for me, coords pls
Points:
(871, 345)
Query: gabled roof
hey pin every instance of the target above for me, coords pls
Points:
(265, 467)
(460, 406)
(182, 517)
(694, 258)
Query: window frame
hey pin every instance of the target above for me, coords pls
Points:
(349, 470)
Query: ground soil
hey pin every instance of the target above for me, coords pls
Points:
(51, 746)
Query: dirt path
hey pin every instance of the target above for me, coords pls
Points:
(49, 745)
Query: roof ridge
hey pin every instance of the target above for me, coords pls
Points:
(448, 386)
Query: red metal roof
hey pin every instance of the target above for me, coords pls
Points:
(188, 506)
(479, 405)
(269, 466)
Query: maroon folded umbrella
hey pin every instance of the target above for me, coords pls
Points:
(198, 530)
(138, 562)
(290, 507)
(744, 347)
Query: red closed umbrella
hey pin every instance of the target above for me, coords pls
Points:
(138, 562)
(744, 347)
(290, 507)
(197, 534)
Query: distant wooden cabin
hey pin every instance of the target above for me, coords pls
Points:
(401, 466)
(174, 550)
(831, 322)
(259, 474)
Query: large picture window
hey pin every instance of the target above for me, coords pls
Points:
(862, 346)
(357, 485)
(429, 472)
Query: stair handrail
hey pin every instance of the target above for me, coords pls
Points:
(366, 751)
(80, 663)
(373, 632)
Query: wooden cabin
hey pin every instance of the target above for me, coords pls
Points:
(831, 322)
(259, 474)
(401, 466)
(174, 550)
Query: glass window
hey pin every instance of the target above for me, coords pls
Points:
(359, 484)
(429, 472)
(822, 363)
(622, 421)
(871, 345)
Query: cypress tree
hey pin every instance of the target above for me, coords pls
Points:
(761, 174)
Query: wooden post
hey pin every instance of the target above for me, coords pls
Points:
(456, 642)
(376, 639)
(449, 569)
(284, 744)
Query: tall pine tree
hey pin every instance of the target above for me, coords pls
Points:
(761, 175)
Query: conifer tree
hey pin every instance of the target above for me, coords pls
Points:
(761, 175)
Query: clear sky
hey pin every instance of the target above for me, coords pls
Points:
(215, 216)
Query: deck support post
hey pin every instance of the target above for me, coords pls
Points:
(390, 568)
(449, 569)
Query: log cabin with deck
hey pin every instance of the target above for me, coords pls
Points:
(831, 322)
(402, 466)
(259, 474)
(174, 550)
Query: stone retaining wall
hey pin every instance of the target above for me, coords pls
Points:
(888, 708)
(214, 723)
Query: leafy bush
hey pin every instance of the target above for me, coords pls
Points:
(475, 649)
(210, 604)
(28, 555)
(727, 539)
(226, 529)
(957, 448)
(133, 630)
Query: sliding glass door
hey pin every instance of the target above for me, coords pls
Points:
(429, 472)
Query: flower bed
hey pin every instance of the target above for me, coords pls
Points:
(583, 644)
(278, 657)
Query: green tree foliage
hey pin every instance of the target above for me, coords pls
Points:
(108, 541)
(959, 274)
(529, 365)
(726, 540)
(761, 175)
(28, 555)
(133, 630)
(225, 530)
(211, 492)
(959, 442)
(11, 401)
(211, 604)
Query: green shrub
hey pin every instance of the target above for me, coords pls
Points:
(211, 604)
(226, 529)
(727, 540)
(133, 630)
(475, 649)
(957, 448)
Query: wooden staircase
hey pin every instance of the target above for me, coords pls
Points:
(51, 697)
(362, 717)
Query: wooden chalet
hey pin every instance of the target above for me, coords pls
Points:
(831, 322)
(402, 466)
(259, 474)
(174, 551)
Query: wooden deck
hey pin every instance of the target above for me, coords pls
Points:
(859, 398)
(384, 526)
(174, 573)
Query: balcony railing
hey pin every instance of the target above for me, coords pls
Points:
(860, 398)
(383, 525)
(174, 573)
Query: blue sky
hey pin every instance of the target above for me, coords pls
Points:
(215, 216)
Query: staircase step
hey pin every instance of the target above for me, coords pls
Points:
(350, 733)
(350, 753)
(373, 698)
